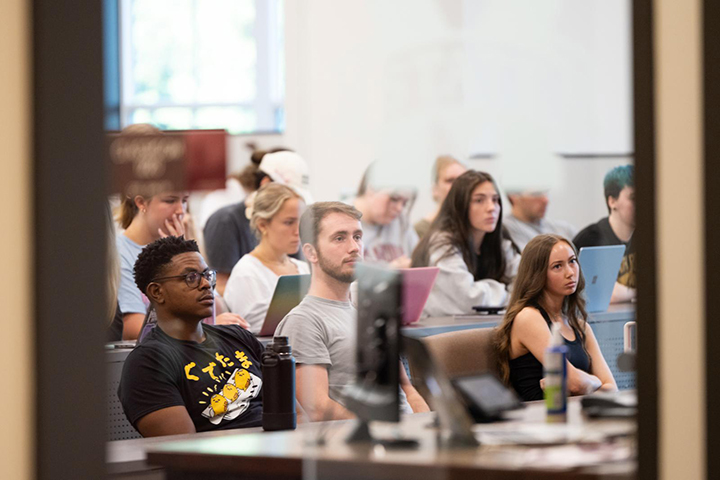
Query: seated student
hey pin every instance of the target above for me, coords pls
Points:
(146, 219)
(466, 241)
(527, 218)
(617, 228)
(445, 170)
(237, 186)
(322, 329)
(228, 235)
(549, 289)
(275, 215)
(186, 376)
(389, 237)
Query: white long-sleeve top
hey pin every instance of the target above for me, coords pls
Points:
(250, 288)
(456, 291)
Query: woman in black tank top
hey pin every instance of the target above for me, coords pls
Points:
(548, 289)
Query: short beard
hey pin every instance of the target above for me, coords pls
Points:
(333, 272)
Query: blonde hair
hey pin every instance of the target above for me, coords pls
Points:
(113, 268)
(528, 290)
(267, 203)
(128, 209)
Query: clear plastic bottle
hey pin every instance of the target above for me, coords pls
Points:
(556, 377)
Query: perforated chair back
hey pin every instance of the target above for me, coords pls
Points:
(118, 427)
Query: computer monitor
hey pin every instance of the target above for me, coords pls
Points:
(375, 393)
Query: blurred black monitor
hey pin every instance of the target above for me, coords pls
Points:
(375, 393)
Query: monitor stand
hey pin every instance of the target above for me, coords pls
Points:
(361, 434)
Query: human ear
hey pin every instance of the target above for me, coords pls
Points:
(310, 253)
(612, 201)
(265, 181)
(155, 292)
(262, 224)
(140, 202)
(436, 192)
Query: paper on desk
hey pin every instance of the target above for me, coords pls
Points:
(548, 434)
(572, 456)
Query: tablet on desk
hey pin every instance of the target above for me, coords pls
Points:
(489, 310)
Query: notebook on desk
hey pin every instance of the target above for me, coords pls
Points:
(289, 292)
(600, 266)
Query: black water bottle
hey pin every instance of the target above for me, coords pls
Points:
(278, 368)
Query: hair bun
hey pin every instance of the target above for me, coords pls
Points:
(249, 202)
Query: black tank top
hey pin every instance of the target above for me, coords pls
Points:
(526, 371)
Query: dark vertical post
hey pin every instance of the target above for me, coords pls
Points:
(70, 186)
(711, 130)
(644, 126)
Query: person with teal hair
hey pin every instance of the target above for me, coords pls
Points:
(617, 228)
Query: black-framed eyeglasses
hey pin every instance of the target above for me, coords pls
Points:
(192, 279)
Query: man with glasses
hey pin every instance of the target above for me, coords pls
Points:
(186, 376)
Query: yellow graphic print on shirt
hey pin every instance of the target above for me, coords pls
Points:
(233, 399)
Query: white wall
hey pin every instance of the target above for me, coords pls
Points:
(406, 80)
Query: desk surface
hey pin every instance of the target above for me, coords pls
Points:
(293, 454)
(435, 325)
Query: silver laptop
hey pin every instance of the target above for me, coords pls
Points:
(289, 292)
(600, 266)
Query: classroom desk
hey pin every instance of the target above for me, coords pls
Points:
(294, 454)
(622, 312)
(607, 327)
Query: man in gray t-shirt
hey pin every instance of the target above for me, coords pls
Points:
(322, 328)
(527, 219)
(323, 332)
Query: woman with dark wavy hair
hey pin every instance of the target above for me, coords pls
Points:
(477, 259)
(549, 289)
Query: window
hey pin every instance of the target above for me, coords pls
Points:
(199, 64)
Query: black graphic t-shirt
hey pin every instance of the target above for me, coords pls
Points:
(219, 381)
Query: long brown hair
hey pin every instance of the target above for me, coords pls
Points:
(452, 228)
(528, 290)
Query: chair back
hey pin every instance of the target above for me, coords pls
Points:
(463, 352)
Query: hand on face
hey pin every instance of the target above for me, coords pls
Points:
(174, 226)
(164, 214)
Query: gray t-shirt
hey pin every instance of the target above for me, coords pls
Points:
(522, 232)
(324, 332)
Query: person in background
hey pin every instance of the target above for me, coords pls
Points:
(114, 315)
(228, 235)
(275, 216)
(526, 218)
(549, 290)
(445, 170)
(237, 186)
(388, 236)
(617, 228)
(166, 379)
(144, 220)
(477, 261)
(322, 328)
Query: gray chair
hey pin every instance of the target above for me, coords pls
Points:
(118, 427)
